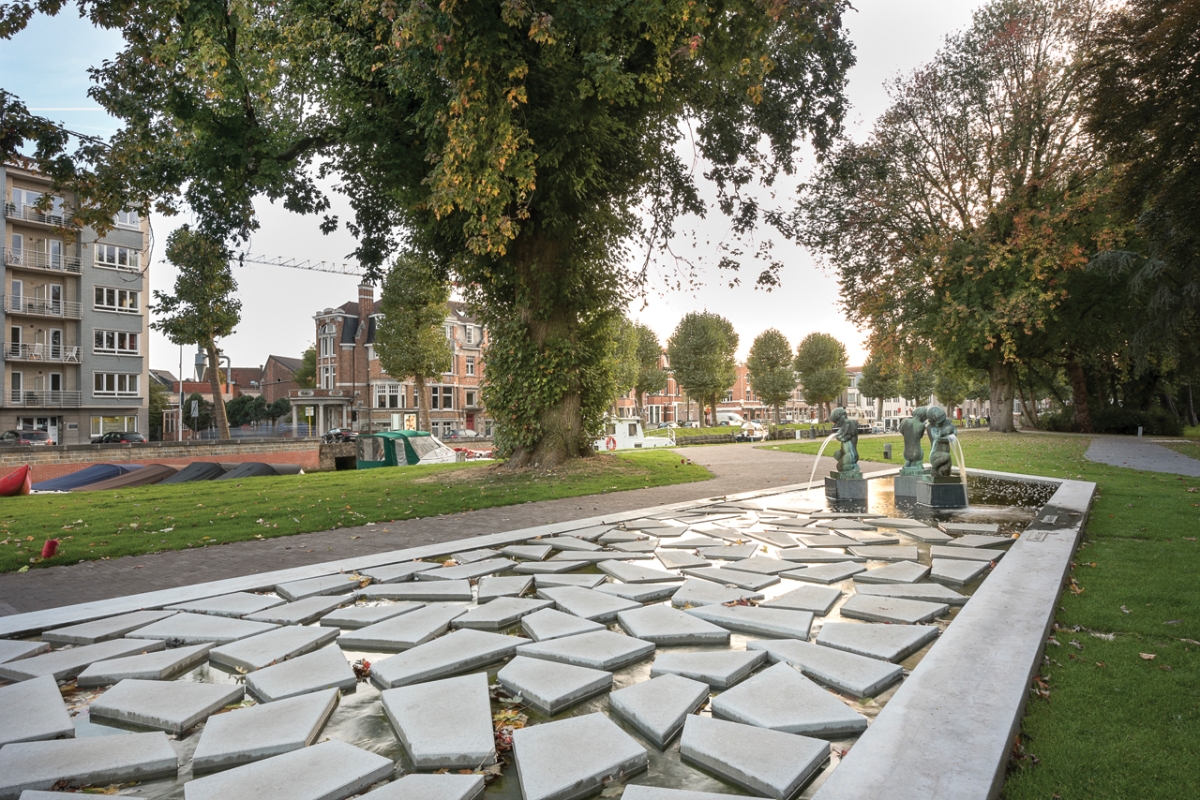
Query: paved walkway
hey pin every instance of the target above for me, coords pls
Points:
(737, 468)
(1134, 453)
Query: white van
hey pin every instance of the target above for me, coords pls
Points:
(730, 418)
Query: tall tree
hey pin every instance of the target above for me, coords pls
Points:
(306, 375)
(411, 341)
(701, 353)
(624, 357)
(651, 377)
(879, 381)
(159, 401)
(772, 374)
(202, 419)
(203, 307)
(821, 364)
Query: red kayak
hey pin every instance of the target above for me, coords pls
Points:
(16, 482)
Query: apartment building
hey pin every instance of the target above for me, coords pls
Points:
(75, 318)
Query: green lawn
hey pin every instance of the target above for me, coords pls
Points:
(93, 525)
(1190, 449)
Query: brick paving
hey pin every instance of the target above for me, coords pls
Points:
(736, 467)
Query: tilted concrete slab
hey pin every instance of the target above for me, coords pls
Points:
(461, 651)
(980, 540)
(781, 699)
(719, 670)
(639, 792)
(826, 540)
(548, 567)
(927, 535)
(692, 542)
(731, 577)
(639, 546)
(900, 552)
(157, 666)
(445, 724)
(500, 613)
(422, 591)
(527, 552)
(491, 587)
(475, 569)
(730, 552)
(955, 572)
(658, 707)
(636, 573)
(406, 631)
(327, 668)
(971, 527)
(327, 771)
(664, 625)
(817, 599)
(398, 573)
(171, 706)
(983, 556)
(201, 629)
(892, 609)
(815, 555)
(104, 629)
(67, 663)
(98, 760)
(584, 580)
(547, 624)
(572, 543)
(301, 612)
(339, 583)
(640, 592)
(586, 603)
(471, 556)
(678, 559)
(360, 616)
(845, 524)
(272, 647)
(258, 732)
(826, 573)
(820, 514)
(595, 558)
(695, 592)
(899, 522)
(12, 650)
(932, 592)
(896, 572)
(588, 533)
(599, 650)
(237, 604)
(776, 538)
(551, 765)
(551, 686)
(430, 787)
(853, 674)
(779, 622)
(873, 538)
(33, 710)
(763, 565)
(887, 642)
(768, 763)
(620, 535)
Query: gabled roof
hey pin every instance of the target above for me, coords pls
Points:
(461, 312)
(287, 361)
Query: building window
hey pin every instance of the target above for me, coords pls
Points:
(470, 365)
(441, 397)
(468, 335)
(389, 395)
(115, 384)
(127, 219)
(449, 333)
(102, 425)
(327, 375)
(121, 343)
(109, 256)
(470, 399)
(25, 200)
(122, 300)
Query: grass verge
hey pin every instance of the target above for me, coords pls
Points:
(1190, 449)
(94, 525)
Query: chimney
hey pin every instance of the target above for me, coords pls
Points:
(366, 302)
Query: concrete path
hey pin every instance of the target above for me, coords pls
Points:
(1134, 453)
(736, 467)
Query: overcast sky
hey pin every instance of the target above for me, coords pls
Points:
(46, 66)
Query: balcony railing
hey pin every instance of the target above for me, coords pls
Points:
(41, 307)
(66, 354)
(44, 399)
(30, 259)
(56, 217)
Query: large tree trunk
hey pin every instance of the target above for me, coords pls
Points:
(214, 380)
(1192, 406)
(879, 410)
(1079, 397)
(1030, 410)
(422, 401)
(1003, 384)
(561, 423)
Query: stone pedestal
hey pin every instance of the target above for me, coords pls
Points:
(904, 487)
(935, 491)
(846, 486)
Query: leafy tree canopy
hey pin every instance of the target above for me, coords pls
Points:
(771, 372)
(306, 376)
(821, 364)
(701, 353)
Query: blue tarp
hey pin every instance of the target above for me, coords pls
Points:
(84, 477)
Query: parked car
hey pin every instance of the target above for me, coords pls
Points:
(25, 439)
(460, 433)
(662, 426)
(336, 435)
(119, 437)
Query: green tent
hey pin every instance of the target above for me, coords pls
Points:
(401, 448)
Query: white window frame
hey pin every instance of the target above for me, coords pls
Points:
(468, 334)
(387, 392)
(110, 256)
(128, 219)
(113, 346)
(123, 384)
(131, 298)
(470, 365)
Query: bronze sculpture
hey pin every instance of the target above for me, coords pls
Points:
(847, 435)
(913, 431)
(940, 431)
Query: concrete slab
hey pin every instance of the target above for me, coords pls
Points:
(845, 524)
(327, 668)
(640, 546)
(899, 522)
(548, 567)
(763, 565)
(340, 583)
(471, 556)
(678, 559)
(550, 686)
(620, 535)
(597, 556)
(826, 540)
(491, 587)
(11, 650)
(927, 535)
(887, 642)
(159, 666)
(361, 616)
(775, 538)
(33, 710)
(640, 792)
(902, 552)
(551, 765)
(984, 556)
(68, 663)
(781, 699)
(980, 540)
(891, 609)
(599, 650)
(719, 670)
(586, 603)
(272, 647)
(571, 543)
(853, 674)
(640, 592)
(932, 592)
(104, 629)
(817, 599)
(301, 612)
(730, 552)
(779, 622)
(547, 624)
(327, 771)
(956, 572)
(586, 580)
(398, 573)
(444, 724)
(820, 514)
(813, 555)
(430, 787)
(636, 573)
(897, 572)
(696, 592)
(462, 572)
(971, 527)
(171, 706)
(500, 613)
(98, 760)
(258, 732)
(768, 763)
(237, 604)
(658, 707)
(664, 625)
(873, 537)
(404, 632)
(732, 577)
(527, 552)
(692, 542)
(460, 651)
(421, 591)
(826, 573)
(201, 628)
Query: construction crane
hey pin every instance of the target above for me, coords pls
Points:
(333, 267)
